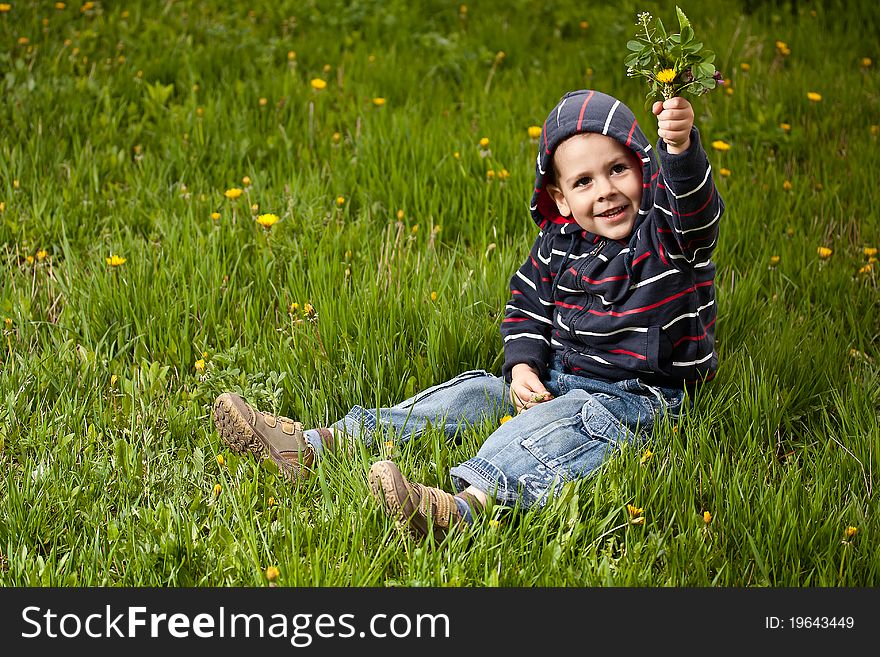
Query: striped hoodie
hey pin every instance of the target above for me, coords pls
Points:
(620, 309)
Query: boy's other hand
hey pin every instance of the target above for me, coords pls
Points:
(526, 389)
(675, 118)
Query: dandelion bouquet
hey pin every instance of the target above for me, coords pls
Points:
(671, 63)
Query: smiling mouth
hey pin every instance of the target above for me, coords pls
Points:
(613, 213)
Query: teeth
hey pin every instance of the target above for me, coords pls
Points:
(609, 213)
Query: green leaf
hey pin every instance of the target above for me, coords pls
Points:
(634, 45)
(661, 29)
(683, 21)
(687, 34)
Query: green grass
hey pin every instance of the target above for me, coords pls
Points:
(119, 134)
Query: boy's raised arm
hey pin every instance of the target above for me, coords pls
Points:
(688, 201)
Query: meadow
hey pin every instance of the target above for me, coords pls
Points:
(141, 147)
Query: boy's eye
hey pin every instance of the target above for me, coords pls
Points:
(618, 168)
(583, 181)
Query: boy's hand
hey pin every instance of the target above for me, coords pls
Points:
(675, 118)
(526, 389)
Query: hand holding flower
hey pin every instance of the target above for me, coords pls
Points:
(675, 118)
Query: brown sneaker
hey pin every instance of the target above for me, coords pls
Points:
(414, 507)
(245, 429)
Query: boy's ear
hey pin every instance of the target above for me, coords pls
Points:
(558, 198)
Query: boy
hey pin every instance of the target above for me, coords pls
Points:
(611, 319)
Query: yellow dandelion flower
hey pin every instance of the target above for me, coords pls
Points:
(8, 322)
(41, 254)
(850, 531)
(294, 308)
(87, 6)
(745, 67)
(291, 55)
(646, 456)
(327, 68)
(462, 10)
(255, 208)
(318, 84)
(585, 25)
(484, 142)
(774, 260)
(414, 229)
(246, 181)
(272, 573)
(813, 96)
(378, 102)
(433, 296)
(534, 131)
(4, 7)
(400, 214)
(785, 127)
(263, 102)
(215, 216)
(271, 501)
(115, 260)
(389, 445)
(504, 174)
(824, 252)
(2, 207)
(200, 365)
(217, 489)
(866, 62)
(456, 155)
(371, 59)
(634, 511)
(866, 269)
(875, 130)
(724, 172)
(340, 201)
(233, 193)
(707, 517)
(30, 259)
(267, 220)
(780, 45)
(505, 418)
(60, 5)
(490, 174)
(309, 310)
(720, 145)
(220, 460)
(336, 137)
(786, 185)
(665, 76)
(15, 184)
(869, 251)
(729, 91)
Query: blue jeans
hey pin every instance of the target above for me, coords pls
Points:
(528, 458)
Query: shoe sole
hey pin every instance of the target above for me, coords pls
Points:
(235, 430)
(390, 490)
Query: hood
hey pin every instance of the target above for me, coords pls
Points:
(591, 111)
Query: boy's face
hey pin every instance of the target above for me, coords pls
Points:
(599, 184)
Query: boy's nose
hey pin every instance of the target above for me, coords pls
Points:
(604, 188)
